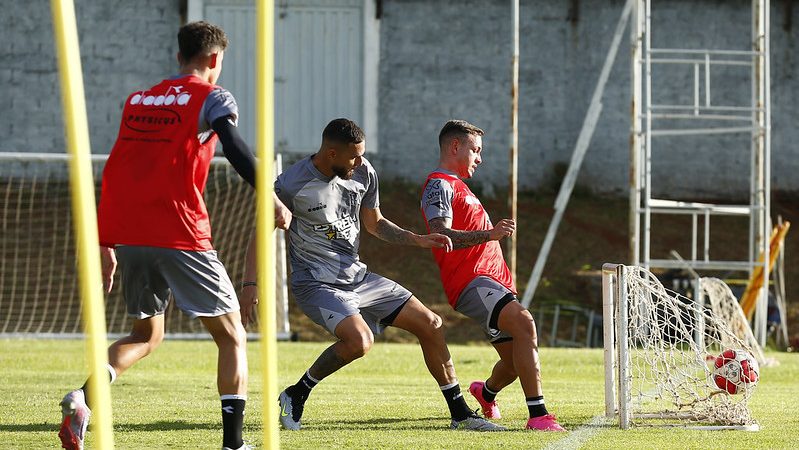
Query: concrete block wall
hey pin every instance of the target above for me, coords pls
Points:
(442, 60)
(124, 45)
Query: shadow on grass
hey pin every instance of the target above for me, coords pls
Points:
(173, 425)
(29, 427)
(385, 423)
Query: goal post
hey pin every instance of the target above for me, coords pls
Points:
(660, 348)
(39, 295)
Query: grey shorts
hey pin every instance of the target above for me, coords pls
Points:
(482, 300)
(197, 279)
(377, 299)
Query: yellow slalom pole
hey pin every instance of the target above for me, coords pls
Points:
(264, 140)
(83, 207)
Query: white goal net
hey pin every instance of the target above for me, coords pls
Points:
(719, 297)
(660, 356)
(38, 279)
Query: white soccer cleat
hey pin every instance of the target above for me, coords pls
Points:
(74, 421)
(475, 423)
(290, 411)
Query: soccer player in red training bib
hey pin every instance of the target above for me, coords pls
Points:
(476, 279)
(153, 218)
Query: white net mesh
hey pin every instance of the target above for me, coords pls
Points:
(38, 279)
(671, 348)
(725, 306)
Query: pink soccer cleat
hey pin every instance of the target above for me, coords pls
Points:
(544, 423)
(490, 409)
(75, 419)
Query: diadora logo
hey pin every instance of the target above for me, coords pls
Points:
(172, 96)
(318, 207)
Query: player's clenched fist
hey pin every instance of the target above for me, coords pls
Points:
(504, 228)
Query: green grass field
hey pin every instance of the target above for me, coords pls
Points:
(385, 400)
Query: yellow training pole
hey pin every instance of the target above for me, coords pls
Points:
(83, 207)
(264, 140)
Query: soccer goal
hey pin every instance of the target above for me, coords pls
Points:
(38, 280)
(663, 357)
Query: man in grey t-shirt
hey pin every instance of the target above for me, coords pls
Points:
(329, 194)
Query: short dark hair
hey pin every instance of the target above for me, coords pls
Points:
(457, 128)
(343, 131)
(200, 37)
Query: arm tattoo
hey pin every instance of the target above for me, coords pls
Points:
(389, 232)
(460, 239)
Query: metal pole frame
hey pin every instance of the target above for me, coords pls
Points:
(609, 286)
(513, 193)
(757, 121)
(623, 350)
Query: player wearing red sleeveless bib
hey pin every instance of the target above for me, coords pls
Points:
(476, 279)
(152, 217)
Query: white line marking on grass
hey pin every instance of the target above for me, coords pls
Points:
(577, 438)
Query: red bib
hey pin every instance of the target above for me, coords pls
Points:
(153, 181)
(459, 267)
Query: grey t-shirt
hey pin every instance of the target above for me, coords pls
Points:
(437, 197)
(324, 234)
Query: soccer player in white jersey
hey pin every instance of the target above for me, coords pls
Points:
(475, 277)
(330, 194)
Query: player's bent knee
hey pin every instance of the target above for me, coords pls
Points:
(150, 337)
(523, 326)
(358, 347)
(433, 322)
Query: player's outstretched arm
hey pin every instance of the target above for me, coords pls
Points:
(463, 239)
(235, 149)
(388, 231)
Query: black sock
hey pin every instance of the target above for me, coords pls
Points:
(489, 395)
(458, 408)
(535, 405)
(302, 389)
(85, 387)
(232, 420)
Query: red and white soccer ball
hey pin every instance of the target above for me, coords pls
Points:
(735, 371)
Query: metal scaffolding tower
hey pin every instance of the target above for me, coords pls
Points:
(701, 117)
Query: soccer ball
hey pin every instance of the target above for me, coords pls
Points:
(735, 371)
